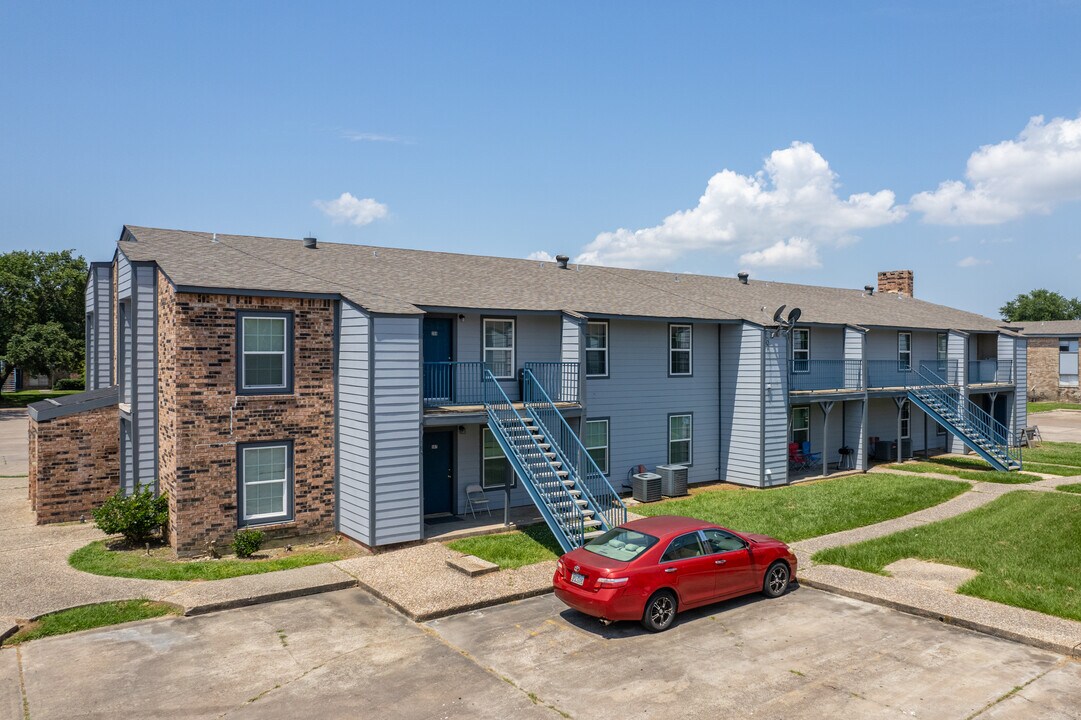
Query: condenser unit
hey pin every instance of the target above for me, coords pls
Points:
(673, 480)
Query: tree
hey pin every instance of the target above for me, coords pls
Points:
(1040, 305)
(40, 288)
(44, 350)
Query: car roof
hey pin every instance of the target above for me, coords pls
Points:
(667, 525)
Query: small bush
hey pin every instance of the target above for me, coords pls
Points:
(69, 384)
(138, 517)
(247, 542)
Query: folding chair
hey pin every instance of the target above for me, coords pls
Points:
(812, 458)
(474, 494)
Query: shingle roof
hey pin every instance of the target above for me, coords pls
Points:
(1050, 327)
(393, 280)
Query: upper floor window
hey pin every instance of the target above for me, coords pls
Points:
(942, 348)
(801, 350)
(499, 347)
(597, 349)
(679, 439)
(679, 349)
(904, 351)
(265, 353)
(1067, 362)
(596, 443)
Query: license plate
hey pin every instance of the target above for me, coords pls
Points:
(578, 578)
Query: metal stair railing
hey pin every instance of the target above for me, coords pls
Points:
(559, 379)
(968, 418)
(545, 487)
(602, 497)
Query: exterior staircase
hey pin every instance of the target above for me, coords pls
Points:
(573, 496)
(970, 423)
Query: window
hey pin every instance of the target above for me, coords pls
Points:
(679, 349)
(942, 349)
(683, 547)
(496, 466)
(265, 366)
(266, 483)
(596, 443)
(904, 351)
(719, 541)
(1067, 362)
(905, 421)
(621, 544)
(801, 424)
(499, 347)
(801, 350)
(597, 349)
(679, 439)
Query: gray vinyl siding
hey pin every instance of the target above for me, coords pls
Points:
(572, 348)
(145, 374)
(1020, 369)
(741, 404)
(638, 396)
(1006, 352)
(396, 418)
(775, 411)
(853, 350)
(882, 345)
(854, 429)
(123, 276)
(827, 343)
(537, 338)
(354, 424)
(127, 462)
(99, 353)
(467, 471)
(957, 350)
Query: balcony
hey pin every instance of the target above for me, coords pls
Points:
(824, 375)
(990, 372)
(896, 374)
(459, 386)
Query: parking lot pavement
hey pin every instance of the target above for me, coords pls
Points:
(1058, 425)
(808, 655)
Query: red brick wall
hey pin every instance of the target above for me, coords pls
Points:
(1043, 372)
(74, 464)
(198, 405)
(897, 281)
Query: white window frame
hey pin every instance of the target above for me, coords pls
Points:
(606, 447)
(1071, 348)
(604, 349)
(906, 421)
(805, 352)
(513, 342)
(942, 347)
(286, 482)
(904, 364)
(673, 350)
(484, 458)
(284, 352)
(792, 430)
(689, 439)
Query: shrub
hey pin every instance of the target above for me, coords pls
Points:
(138, 517)
(247, 542)
(69, 384)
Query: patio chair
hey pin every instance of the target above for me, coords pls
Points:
(796, 460)
(812, 458)
(474, 494)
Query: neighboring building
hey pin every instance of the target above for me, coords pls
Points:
(18, 380)
(1052, 359)
(309, 387)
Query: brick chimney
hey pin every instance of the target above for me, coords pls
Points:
(899, 282)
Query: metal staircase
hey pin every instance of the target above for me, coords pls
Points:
(970, 423)
(573, 496)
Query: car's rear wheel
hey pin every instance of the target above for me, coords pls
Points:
(660, 611)
(775, 583)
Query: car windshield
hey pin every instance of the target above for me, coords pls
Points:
(621, 544)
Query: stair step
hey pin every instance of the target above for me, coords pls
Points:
(592, 534)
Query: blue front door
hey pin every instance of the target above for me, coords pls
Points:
(438, 472)
(438, 349)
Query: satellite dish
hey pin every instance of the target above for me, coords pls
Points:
(779, 314)
(794, 315)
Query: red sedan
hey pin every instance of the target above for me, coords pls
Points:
(650, 569)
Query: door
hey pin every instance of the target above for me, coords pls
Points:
(732, 562)
(438, 349)
(438, 473)
(689, 569)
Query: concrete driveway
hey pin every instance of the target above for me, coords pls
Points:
(1058, 425)
(345, 655)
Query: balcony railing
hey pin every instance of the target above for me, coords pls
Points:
(990, 371)
(453, 383)
(559, 379)
(815, 375)
(898, 374)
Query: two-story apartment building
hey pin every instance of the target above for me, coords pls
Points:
(308, 387)
(1053, 359)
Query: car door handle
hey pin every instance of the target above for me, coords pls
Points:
(670, 569)
(719, 562)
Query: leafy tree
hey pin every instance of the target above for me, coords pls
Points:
(44, 350)
(1040, 305)
(40, 288)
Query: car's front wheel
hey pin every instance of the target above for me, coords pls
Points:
(660, 611)
(776, 580)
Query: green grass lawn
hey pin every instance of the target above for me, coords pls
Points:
(90, 616)
(25, 397)
(1075, 488)
(975, 463)
(1054, 453)
(96, 558)
(1038, 407)
(988, 475)
(798, 512)
(511, 550)
(1024, 544)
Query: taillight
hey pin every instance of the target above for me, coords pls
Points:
(559, 566)
(612, 582)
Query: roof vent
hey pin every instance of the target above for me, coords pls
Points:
(869, 289)
(310, 242)
(562, 260)
(743, 277)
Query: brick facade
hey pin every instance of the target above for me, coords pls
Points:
(1043, 359)
(202, 419)
(74, 464)
(902, 282)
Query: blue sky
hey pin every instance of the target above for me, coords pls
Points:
(587, 129)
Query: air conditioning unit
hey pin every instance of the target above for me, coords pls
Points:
(673, 480)
(646, 487)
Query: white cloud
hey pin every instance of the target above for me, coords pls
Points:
(796, 253)
(541, 255)
(1032, 174)
(972, 261)
(354, 136)
(355, 211)
(793, 196)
